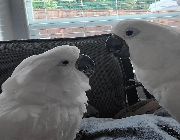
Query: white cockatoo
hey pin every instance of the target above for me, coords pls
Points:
(44, 99)
(155, 54)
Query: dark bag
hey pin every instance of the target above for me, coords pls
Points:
(108, 83)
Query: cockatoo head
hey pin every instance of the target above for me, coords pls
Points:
(143, 39)
(60, 58)
(53, 74)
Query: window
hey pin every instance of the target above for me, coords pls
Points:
(73, 18)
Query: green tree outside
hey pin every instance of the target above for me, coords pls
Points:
(93, 4)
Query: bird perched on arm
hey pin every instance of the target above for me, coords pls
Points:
(155, 53)
(44, 99)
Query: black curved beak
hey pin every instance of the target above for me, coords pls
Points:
(118, 46)
(86, 65)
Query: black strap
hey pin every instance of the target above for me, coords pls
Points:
(118, 47)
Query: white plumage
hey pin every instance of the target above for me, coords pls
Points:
(155, 54)
(44, 99)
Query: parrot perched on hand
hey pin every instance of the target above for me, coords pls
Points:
(155, 54)
(44, 99)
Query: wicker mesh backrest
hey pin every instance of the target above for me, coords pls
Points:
(107, 94)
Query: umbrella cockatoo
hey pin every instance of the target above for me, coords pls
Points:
(155, 53)
(44, 99)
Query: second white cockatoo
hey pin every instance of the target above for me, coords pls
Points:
(155, 54)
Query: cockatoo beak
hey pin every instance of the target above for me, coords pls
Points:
(117, 45)
(86, 65)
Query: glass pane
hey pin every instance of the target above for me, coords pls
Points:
(84, 17)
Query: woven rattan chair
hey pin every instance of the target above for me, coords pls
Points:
(108, 93)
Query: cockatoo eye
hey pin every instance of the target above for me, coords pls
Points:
(65, 62)
(129, 32)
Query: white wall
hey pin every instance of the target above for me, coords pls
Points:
(6, 31)
(178, 2)
(13, 22)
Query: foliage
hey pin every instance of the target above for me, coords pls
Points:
(92, 5)
(48, 4)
